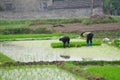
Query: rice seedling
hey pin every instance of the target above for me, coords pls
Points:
(74, 44)
(36, 73)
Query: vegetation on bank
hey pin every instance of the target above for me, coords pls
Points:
(97, 34)
(95, 70)
(74, 44)
(35, 36)
(107, 34)
(24, 30)
(30, 22)
(28, 31)
(4, 58)
(117, 42)
(13, 28)
(109, 72)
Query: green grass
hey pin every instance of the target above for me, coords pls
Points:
(109, 72)
(74, 44)
(14, 22)
(41, 36)
(4, 58)
(116, 43)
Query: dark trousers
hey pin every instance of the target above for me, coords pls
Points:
(89, 39)
(68, 42)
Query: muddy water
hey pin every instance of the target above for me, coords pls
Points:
(40, 50)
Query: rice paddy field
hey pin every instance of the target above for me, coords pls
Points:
(37, 72)
(41, 50)
(19, 53)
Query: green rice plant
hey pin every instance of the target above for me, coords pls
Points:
(37, 73)
(4, 58)
(74, 44)
(109, 72)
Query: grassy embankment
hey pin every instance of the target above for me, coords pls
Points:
(24, 26)
(4, 58)
(14, 28)
(34, 36)
(109, 72)
(21, 28)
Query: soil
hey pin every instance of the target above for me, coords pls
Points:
(92, 27)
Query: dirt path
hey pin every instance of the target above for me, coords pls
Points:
(92, 27)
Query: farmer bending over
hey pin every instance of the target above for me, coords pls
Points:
(89, 37)
(65, 39)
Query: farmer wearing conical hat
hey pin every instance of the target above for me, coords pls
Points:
(89, 37)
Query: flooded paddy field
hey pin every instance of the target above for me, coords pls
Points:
(36, 73)
(41, 50)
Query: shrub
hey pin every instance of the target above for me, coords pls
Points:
(86, 22)
(98, 21)
(117, 42)
(23, 31)
(41, 30)
(16, 31)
